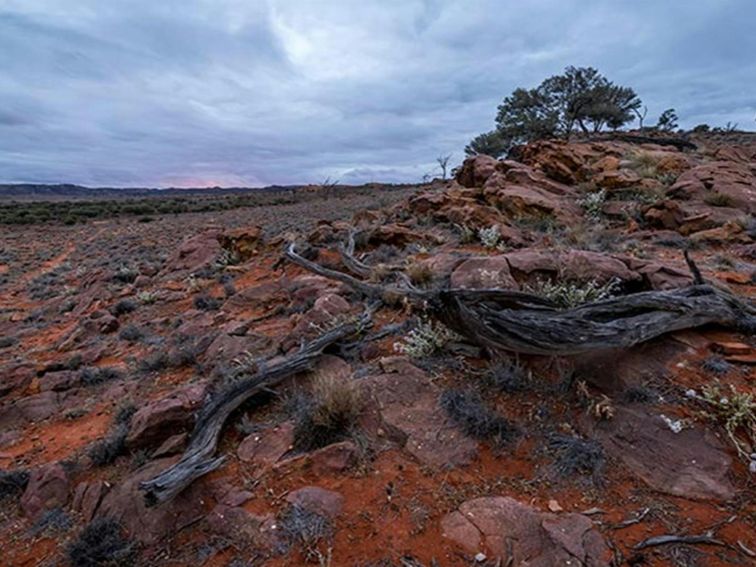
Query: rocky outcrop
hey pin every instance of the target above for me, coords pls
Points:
(522, 535)
(408, 405)
(692, 463)
(158, 420)
(241, 243)
(48, 488)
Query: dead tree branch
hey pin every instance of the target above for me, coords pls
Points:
(504, 320)
(198, 458)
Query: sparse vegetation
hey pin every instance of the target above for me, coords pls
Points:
(569, 294)
(577, 456)
(131, 333)
(508, 377)
(305, 529)
(736, 411)
(13, 482)
(106, 450)
(419, 273)
(425, 340)
(593, 203)
(102, 544)
(490, 237)
(718, 200)
(328, 414)
(95, 376)
(123, 307)
(467, 409)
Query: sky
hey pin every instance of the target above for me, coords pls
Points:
(196, 93)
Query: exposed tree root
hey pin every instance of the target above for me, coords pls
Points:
(198, 458)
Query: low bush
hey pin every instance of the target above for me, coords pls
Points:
(95, 376)
(328, 414)
(577, 456)
(13, 483)
(467, 409)
(102, 543)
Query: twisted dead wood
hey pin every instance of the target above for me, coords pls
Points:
(198, 459)
(506, 320)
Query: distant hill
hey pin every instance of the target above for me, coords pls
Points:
(69, 192)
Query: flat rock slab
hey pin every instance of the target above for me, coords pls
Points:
(692, 463)
(519, 534)
(408, 404)
(125, 503)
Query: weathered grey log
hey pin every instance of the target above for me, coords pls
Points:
(528, 327)
(198, 458)
(513, 321)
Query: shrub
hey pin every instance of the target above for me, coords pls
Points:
(508, 377)
(123, 307)
(643, 163)
(419, 273)
(106, 450)
(575, 455)
(593, 203)
(718, 200)
(131, 333)
(95, 376)
(206, 303)
(490, 237)
(571, 294)
(102, 543)
(716, 365)
(467, 409)
(466, 234)
(425, 340)
(7, 341)
(124, 274)
(147, 297)
(329, 414)
(154, 362)
(13, 482)
(735, 410)
(304, 528)
(52, 521)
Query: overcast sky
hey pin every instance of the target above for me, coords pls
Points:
(257, 92)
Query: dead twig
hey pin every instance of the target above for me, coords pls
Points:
(689, 540)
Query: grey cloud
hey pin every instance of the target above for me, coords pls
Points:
(236, 92)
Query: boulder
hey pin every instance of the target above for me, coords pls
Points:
(693, 463)
(163, 418)
(476, 170)
(242, 243)
(506, 527)
(48, 488)
(195, 254)
(318, 500)
(58, 381)
(408, 406)
(482, 273)
(241, 526)
(125, 504)
(267, 447)
(87, 498)
(735, 182)
(575, 265)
